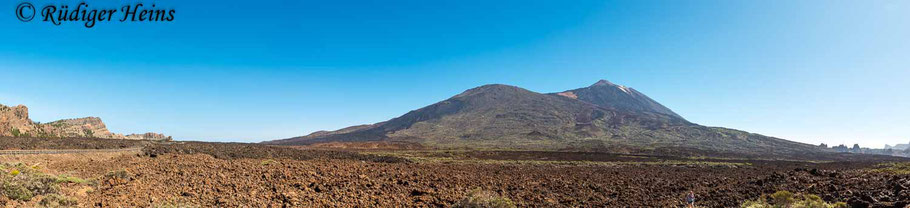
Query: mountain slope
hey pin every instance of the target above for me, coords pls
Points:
(602, 117)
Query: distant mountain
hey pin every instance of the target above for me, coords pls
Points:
(14, 122)
(601, 117)
(898, 146)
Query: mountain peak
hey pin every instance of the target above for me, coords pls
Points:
(607, 94)
(603, 82)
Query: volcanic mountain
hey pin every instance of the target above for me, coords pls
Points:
(602, 117)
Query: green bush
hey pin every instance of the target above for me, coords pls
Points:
(15, 192)
(56, 200)
(782, 197)
(89, 133)
(785, 199)
(25, 182)
(72, 179)
(484, 199)
(15, 132)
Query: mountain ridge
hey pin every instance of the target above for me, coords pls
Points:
(15, 122)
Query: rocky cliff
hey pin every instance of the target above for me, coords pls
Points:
(14, 121)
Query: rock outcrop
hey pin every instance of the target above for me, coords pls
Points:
(148, 136)
(14, 122)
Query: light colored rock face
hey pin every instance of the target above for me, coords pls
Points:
(79, 127)
(14, 122)
(148, 136)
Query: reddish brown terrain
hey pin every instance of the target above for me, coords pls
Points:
(195, 174)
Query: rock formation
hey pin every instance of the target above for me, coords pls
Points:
(14, 122)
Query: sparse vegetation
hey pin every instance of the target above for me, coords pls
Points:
(269, 162)
(72, 179)
(120, 174)
(484, 199)
(895, 168)
(57, 200)
(23, 182)
(786, 199)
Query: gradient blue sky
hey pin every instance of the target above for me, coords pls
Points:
(809, 71)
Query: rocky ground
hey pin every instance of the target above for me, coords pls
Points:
(260, 176)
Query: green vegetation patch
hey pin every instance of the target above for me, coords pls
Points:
(786, 199)
(895, 168)
(269, 162)
(57, 200)
(22, 182)
(15, 132)
(72, 179)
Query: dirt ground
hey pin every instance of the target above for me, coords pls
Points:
(174, 179)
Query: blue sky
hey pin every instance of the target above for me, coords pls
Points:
(809, 71)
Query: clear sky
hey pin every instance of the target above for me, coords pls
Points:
(809, 71)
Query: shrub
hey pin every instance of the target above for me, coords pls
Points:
(23, 183)
(56, 200)
(782, 197)
(72, 179)
(120, 174)
(15, 132)
(484, 199)
(15, 192)
(269, 162)
(89, 133)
